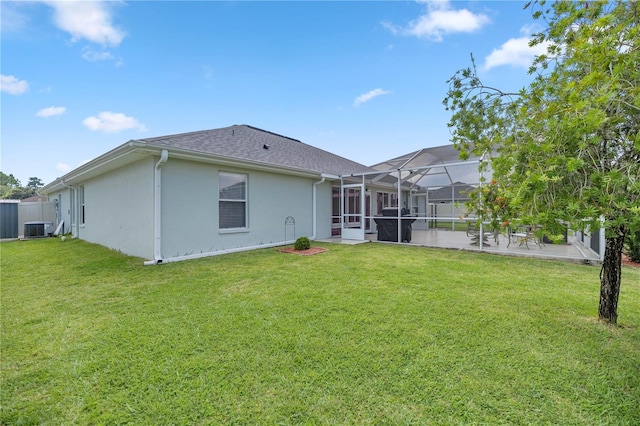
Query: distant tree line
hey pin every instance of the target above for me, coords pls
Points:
(12, 189)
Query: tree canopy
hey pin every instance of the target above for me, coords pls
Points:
(35, 183)
(8, 180)
(12, 189)
(565, 150)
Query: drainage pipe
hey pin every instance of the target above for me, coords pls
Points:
(399, 213)
(157, 210)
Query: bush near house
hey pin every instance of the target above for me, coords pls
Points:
(302, 243)
(633, 244)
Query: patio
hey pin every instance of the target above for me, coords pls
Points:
(572, 251)
(430, 188)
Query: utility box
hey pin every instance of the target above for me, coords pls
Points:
(8, 219)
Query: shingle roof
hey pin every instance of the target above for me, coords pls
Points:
(243, 142)
(460, 192)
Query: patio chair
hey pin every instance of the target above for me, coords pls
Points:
(522, 235)
(473, 231)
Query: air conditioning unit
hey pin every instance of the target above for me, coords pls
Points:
(38, 229)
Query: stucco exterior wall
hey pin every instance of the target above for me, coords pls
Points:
(119, 209)
(190, 222)
(324, 209)
(64, 209)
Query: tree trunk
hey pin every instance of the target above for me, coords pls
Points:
(611, 275)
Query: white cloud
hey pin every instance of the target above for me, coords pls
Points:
(439, 20)
(366, 97)
(393, 29)
(515, 52)
(112, 122)
(64, 168)
(12, 85)
(12, 20)
(89, 20)
(51, 111)
(93, 56)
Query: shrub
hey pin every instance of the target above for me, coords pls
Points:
(302, 243)
(633, 244)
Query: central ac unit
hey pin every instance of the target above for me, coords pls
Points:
(38, 229)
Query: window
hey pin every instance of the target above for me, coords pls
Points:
(81, 197)
(386, 200)
(336, 216)
(232, 200)
(72, 203)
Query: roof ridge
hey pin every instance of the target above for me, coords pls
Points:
(267, 131)
(174, 135)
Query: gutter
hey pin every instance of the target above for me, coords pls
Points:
(157, 210)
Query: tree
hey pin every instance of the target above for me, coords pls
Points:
(565, 150)
(9, 180)
(19, 193)
(11, 189)
(35, 183)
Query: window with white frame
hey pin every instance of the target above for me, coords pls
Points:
(386, 200)
(232, 200)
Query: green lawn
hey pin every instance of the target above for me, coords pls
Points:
(366, 334)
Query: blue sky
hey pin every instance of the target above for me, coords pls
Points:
(364, 80)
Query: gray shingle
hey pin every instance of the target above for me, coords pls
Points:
(460, 193)
(243, 142)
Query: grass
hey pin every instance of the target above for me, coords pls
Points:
(367, 334)
(446, 224)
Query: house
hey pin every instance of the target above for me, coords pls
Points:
(236, 188)
(202, 193)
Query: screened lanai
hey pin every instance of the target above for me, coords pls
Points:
(420, 198)
(429, 185)
(434, 184)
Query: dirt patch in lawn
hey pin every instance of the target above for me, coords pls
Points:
(308, 252)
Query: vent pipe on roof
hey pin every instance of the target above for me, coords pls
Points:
(265, 146)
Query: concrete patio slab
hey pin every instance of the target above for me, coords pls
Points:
(572, 251)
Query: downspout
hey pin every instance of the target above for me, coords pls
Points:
(157, 210)
(314, 213)
(399, 215)
(75, 208)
